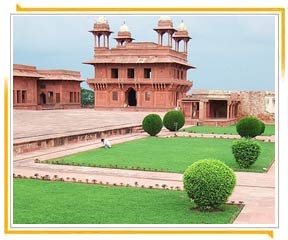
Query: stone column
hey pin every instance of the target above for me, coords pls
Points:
(228, 109)
(207, 110)
(139, 99)
(185, 46)
(94, 40)
(202, 110)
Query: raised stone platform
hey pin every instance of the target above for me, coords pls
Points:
(34, 130)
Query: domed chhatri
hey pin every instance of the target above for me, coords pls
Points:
(124, 28)
(182, 27)
(101, 29)
(181, 35)
(124, 35)
(165, 22)
(165, 18)
(165, 25)
(102, 20)
(101, 24)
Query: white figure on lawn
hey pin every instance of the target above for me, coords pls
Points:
(106, 143)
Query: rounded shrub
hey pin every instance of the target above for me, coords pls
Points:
(262, 127)
(248, 127)
(209, 183)
(174, 120)
(152, 124)
(246, 151)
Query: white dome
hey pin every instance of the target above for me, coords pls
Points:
(164, 18)
(124, 28)
(102, 20)
(182, 27)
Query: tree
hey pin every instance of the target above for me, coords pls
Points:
(87, 97)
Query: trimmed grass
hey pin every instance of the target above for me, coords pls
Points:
(45, 202)
(166, 154)
(269, 130)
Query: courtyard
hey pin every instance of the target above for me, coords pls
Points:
(251, 188)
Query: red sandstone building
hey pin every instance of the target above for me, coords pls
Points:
(140, 75)
(150, 76)
(45, 89)
(211, 107)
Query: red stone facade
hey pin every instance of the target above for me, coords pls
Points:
(45, 89)
(139, 75)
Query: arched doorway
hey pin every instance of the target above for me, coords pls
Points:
(42, 98)
(131, 97)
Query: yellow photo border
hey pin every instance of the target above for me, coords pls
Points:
(19, 8)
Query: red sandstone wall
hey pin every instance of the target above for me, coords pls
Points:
(28, 84)
(164, 72)
(252, 103)
(186, 108)
(62, 87)
(67, 87)
(158, 99)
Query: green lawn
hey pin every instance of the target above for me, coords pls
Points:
(269, 130)
(44, 202)
(166, 154)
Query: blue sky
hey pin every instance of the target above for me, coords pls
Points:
(230, 52)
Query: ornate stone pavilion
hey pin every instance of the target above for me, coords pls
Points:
(45, 89)
(140, 75)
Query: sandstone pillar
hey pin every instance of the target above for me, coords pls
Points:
(95, 41)
(228, 110)
(202, 110)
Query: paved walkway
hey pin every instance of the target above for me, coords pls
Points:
(256, 190)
